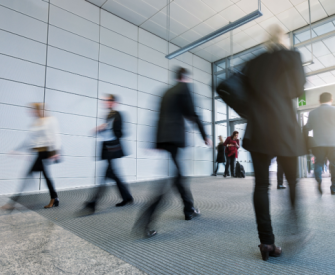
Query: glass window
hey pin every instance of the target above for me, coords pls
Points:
(220, 110)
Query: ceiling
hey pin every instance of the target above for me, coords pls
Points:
(193, 19)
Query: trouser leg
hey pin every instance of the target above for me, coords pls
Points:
(280, 174)
(123, 188)
(331, 158)
(261, 164)
(232, 165)
(217, 168)
(320, 155)
(227, 165)
(50, 185)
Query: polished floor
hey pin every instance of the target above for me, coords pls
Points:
(223, 240)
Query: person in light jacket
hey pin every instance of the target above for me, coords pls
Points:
(44, 140)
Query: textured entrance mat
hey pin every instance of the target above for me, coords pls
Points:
(222, 241)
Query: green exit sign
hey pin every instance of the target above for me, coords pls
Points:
(302, 100)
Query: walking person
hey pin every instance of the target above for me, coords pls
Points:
(220, 158)
(275, 78)
(232, 144)
(176, 105)
(322, 122)
(43, 139)
(111, 131)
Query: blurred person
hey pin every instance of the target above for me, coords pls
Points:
(232, 144)
(322, 122)
(44, 140)
(220, 158)
(112, 131)
(280, 177)
(275, 78)
(176, 105)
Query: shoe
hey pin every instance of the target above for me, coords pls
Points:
(150, 233)
(88, 209)
(269, 250)
(52, 203)
(332, 192)
(281, 186)
(124, 202)
(224, 175)
(195, 213)
(214, 175)
(7, 207)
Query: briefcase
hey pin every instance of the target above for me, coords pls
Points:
(111, 150)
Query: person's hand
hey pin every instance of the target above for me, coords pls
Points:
(54, 157)
(208, 142)
(100, 128)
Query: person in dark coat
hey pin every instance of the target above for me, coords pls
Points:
(111, 132)
(220, 158)
(275, 79)
(232, 145)
(176, 105)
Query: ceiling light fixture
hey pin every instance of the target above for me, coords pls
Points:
(238, 23)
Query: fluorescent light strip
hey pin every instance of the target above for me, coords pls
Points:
(238, 23)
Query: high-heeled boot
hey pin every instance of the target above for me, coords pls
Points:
(269, 250)
(52, 203)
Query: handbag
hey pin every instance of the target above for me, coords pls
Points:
(234, 91)
(111, 149)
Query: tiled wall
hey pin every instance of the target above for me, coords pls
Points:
(68, 54)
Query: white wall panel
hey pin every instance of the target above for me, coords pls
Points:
(153, 41)
(118, 59)
(73, 43)
(21, 71)
(202, 64)
(175, 64)
(129, 130)
(21, 47)
(203, 168)
(129, 148)
(153, 71)
(79, 7)
(77, 146)
(73, 167)
(152, 56)
(73, 23)
(65, 183)
(118, 41)
(117, 76)
(75, 124)
(13, 186)
(123, 167)
(72, 63)
(147, 101)
(186, 153)
(146, 133)
(34, 8)
(203, 102)
(151, 86)
(202, 89)
(124, 95)
(129, 113)
(201, 153)
(201, 76)
(20, 24)
(70, 82)
(147, 150)
(19, 94)
(16, 167)
(116, 24)
(187, 168)
(12, 139)
(152, 168)
(13, 117)
(70, 103)
(147, 117)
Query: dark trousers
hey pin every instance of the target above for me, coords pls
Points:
(261, 196)
(280, 174)
(321, 155)
(39, 166)
(217, 167)
(183, 189)
(230, 162)
(101, 189)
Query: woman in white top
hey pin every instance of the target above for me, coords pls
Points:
(44, 140)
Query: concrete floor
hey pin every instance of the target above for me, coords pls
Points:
(222, 241)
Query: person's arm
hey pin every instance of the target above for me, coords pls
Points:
(296, 71)
(237, 144)
(226, 141)
(117, 126)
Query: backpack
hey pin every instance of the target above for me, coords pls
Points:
(233, 91)
(239, 170)
(242, 173)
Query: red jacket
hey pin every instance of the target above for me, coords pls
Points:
(231, 150)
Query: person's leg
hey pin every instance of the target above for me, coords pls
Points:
(261, 164)
(320, 154)
(217, 168)
(227, 166)
(232, 160)
(331, 158)
(280, 175)
(123, 188)
(182, 187)
(50, 185)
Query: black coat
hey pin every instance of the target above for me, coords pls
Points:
(220, 158)
(176, 105)
(275, 79)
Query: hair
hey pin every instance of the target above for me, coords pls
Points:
(38, 107)
(181, 73)
(275, 39)
(111, 97)
(325, 97)
(234, 133)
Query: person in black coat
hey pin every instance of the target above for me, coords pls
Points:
(176, 105)
(111, 132)
(220, 158)
(275, 79)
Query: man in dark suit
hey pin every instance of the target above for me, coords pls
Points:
(176, 105)
(322, 122)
